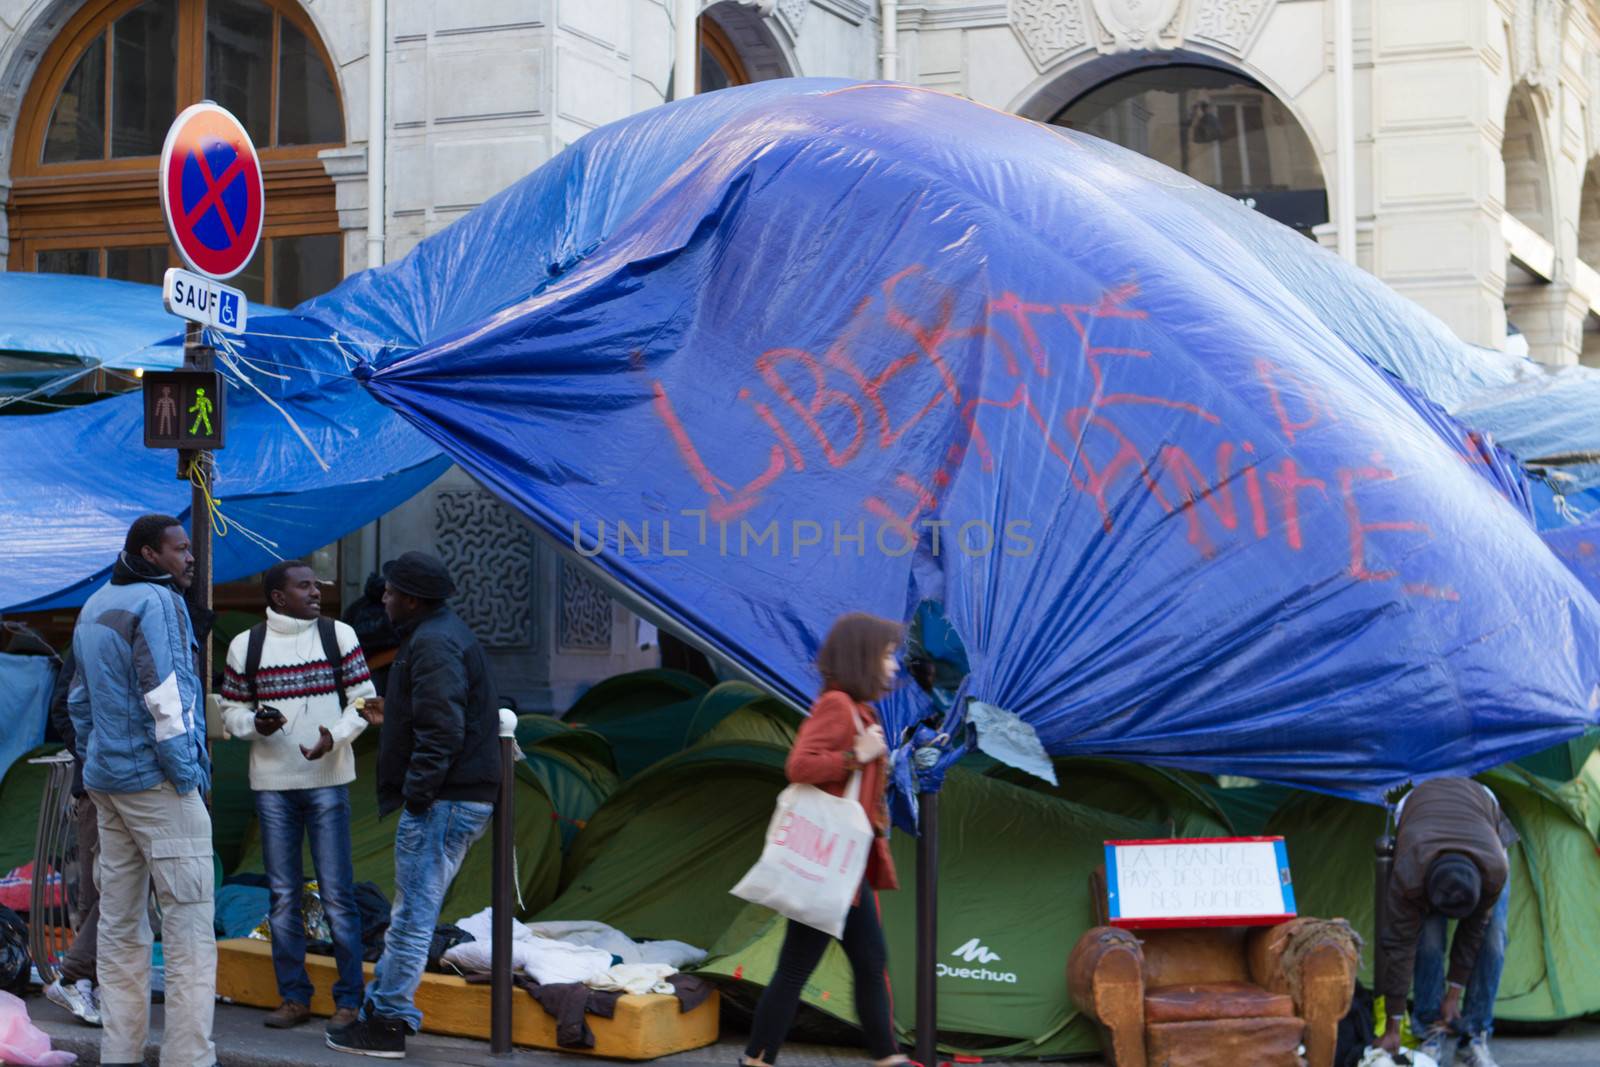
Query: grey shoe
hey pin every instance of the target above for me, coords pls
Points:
(70, 998)
(1475, 1053)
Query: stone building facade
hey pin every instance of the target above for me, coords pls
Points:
(1448, 146)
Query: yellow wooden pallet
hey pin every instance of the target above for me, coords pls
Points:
(642, 1029)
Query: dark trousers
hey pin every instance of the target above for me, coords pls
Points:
(803, 947)
(79, 962)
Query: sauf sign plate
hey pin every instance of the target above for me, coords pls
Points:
(202, 300)
(1234, 881)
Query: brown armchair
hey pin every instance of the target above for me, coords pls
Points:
(1217, 996)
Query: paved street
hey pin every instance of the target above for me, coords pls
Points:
(243, 1042)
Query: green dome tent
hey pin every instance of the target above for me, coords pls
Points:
(1173, 800)
(644, 715)
(649, 716)
(574, 766)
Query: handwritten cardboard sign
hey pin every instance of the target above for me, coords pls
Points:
(1217, 881)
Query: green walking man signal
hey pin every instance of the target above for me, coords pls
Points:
(185, 409)
(201, 410)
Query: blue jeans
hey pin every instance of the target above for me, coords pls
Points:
(1477, 1004)
(428, 850)
(286, 816)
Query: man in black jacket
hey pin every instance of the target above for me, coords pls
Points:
(438, 759)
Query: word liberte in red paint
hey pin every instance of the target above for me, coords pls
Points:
(843, 411)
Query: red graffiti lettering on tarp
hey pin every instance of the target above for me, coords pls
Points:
(1194, 488)
(823, 397)
(1289, 484)
(1359, 528)
(928, 343)
(1021, 399)
(765, 414)
(726, 503)
(1310, 399)
(1097, 481)
(906, 523)
(1019, 311)
(912, 333)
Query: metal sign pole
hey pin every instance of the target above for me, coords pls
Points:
(927, 929)
(505, 822)
(197, 356)
(1382, 870)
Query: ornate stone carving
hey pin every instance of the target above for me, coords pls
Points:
(1134, 23)
(1229, 24)
(1536, 27)
(1049, 29)
(793, 12)
(585, 612)
(490, 555)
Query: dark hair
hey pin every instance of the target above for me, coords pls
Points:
(851, 659)
(148, 531)
(277, 576)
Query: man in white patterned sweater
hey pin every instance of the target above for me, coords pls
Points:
(283, 693)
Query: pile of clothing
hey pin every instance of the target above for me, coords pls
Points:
(16, 889)
(244, 901)
(574, 969)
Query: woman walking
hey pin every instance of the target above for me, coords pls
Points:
(839, 737)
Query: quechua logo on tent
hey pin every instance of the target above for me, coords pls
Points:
(975, 951)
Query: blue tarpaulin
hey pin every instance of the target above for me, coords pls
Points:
(25, 686)
(1579, 548)
(93, 321)
(786, 351)
(75, 479)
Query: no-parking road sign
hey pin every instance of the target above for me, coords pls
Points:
(211, 191)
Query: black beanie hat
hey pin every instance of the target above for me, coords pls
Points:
(420, 575)
(1454, 885)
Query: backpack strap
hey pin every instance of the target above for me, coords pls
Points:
(330, 649)
(252, 659)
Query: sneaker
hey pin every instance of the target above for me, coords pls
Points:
(1475, 1053)
(372, 1036)
(287, 1015)
(68, 997)
(1439, 1046)
(89, 993)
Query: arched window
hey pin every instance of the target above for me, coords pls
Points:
(84, 197)
(1219, 128)
(720, 65)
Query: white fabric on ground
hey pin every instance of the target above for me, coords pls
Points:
(637, 978)
(556, 952)
(599, 935)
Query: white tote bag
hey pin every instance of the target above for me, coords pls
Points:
(814, 858)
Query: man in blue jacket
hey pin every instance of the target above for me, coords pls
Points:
(136, 707)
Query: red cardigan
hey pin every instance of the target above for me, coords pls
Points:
(824, 756)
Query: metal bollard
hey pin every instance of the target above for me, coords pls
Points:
(1382, 867)
(505, 825)
(50, 846)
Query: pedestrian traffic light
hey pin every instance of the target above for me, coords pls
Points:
(184, 409)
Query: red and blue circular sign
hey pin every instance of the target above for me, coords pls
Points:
(211, 191)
